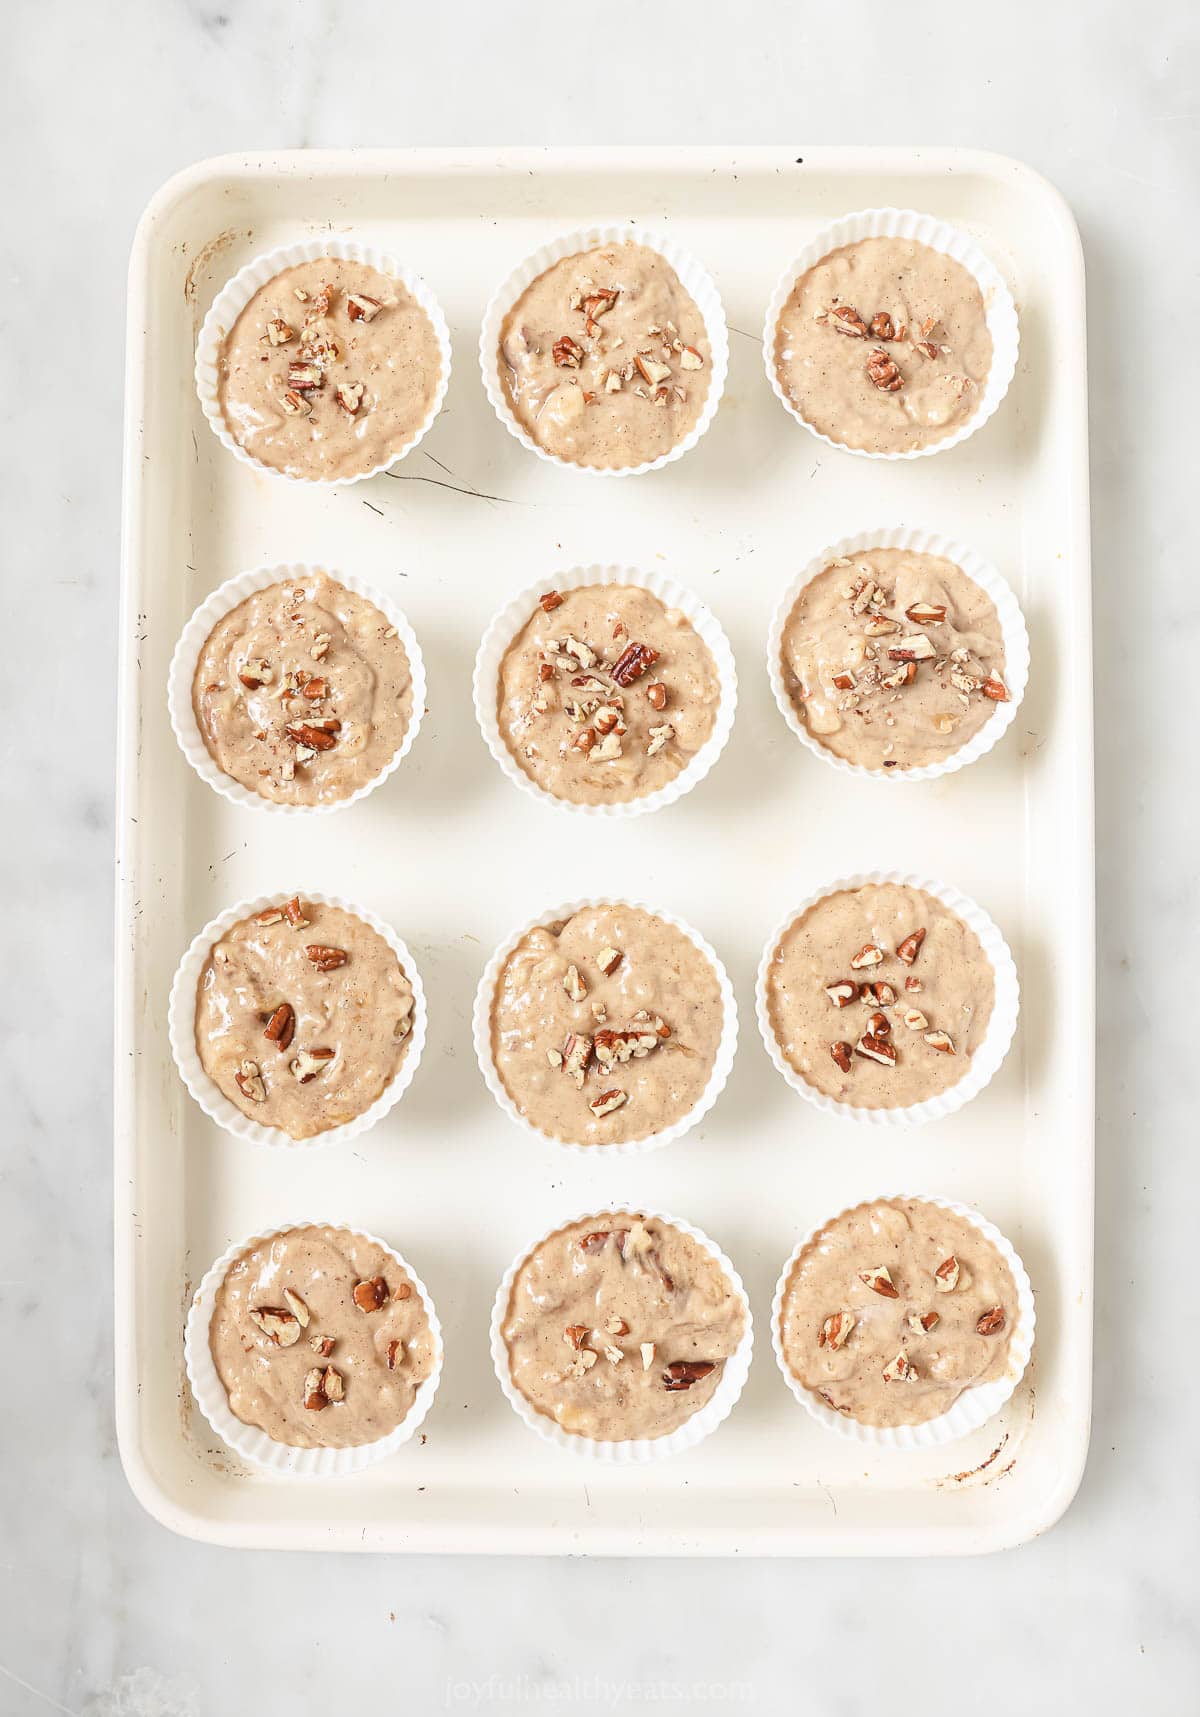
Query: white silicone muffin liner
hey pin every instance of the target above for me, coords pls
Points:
(181, 1027)
(233, 298)
(195, 635)
(925, 229)
(634, 1451)
(980, 572)
(975, 1405)
(722, 1064)
(694, 278)
(987, 1058)
(253, 1444)
(504, 628)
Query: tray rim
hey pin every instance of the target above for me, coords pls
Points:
(479, 1537)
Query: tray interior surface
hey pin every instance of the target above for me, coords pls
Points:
(454, 857)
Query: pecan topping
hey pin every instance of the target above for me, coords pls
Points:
(835, 1331)
(606, 1102)
(904, 676)
(900, 1370)
(297, 1307)
(323, 1345)
(994, 689)
(369, 1296)
(873, 1048)
(360, 308)
(868, 955)
(843, 682)
(883, 371)
(659, 737)
(882, 326)
(314, 689)
(941, 1041)
(616, 1326)
(841, 1053)
(925, 614)
(294, 913)
(326, 959)
(845, 319)
(946, 1275)
(574, 985)
(309, 1063)
(879, 1280)
(595, 305)
(550, 600)
(567, 352)
(991, 1322)
(690, 359)
(921, 1325)
(910, 947)
(878, 1025)
(270, 915)
(403, 1291)
(575, 1335)
(657, 694)
(282, 1326)
(249, 1082)
(879, 993)
(682, 1373)
(303, 733)
(915, 648)
(632, 663)
(395, 1353)
(255, 674)
(651, 370)
(608, 959)
(295, 404)
(915, 1020)
(349, 396)
(842, 993)
(594, 1241)
(576, 1053)
(281, 1025)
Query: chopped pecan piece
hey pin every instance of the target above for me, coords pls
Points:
(883, 371)
(574, 985)
(921, 1324)
(877, 994)
(841, 1053)
(946, 1275)
(324, 958)
(550, 600)
(297, 1307)
(249, 1082)
(295, 914)
(900, 1370)
(879, 1280)
(360, 308)
(910, 947)
(608, 959)
(575, 1335)
(281, 1025)
(845, 319)
(915, 648)
(349, 396)
(567, 352)
(309, 1063)
(925, 614)
(835, 1331)
(915, 1020)
(304, 377)
(878, 1025)
(295, 403)
(633, 662)
(606, 1102)
(682, 1373)
(941, 1041)
(690, 359)
(269, 915)
(256, 673)
(659, 738)
(657, 694)
(842, 993)
(991, 1322)
(304, 733)
(315, 1397)
(878, 1049)
(369, 1296)
(868, 955)
(395, 1353)
(282, 1326)
(576, 1053)
(882, 326)
(323, 1345)
(994, 689)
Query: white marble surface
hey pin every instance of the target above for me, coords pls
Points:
(101, 1610)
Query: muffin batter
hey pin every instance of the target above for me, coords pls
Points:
(895, 1308)
(880, 996)
(303, 1016)
(606, 1027)
(307, 1358)
(329, 372)
(605, 694)
(618, 1327)
(892, 659)
(604, 358)
(303, 692)
(884, 345)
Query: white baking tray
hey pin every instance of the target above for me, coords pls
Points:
(453, 857)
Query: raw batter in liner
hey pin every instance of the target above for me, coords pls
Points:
(933, 1316)
(606, 694)
(884, 345)
(893, 659)
(604, 358)
(302, 1357)
(606, 1028)
(303, 1016)
(880, 996)
(303, 692)
(618, 1327)
(329, 371)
